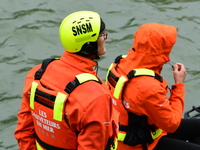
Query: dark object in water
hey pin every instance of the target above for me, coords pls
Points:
(194, 113)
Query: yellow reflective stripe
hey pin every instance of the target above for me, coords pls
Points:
(156, 134)
(144, 72)
(114, 147)
(121, 136)
(59, 106)
(86, 77)
(32, 95)
(38, 146)
(124, 56)
(108, 72)
(119, 86)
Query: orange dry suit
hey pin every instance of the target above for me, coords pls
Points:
(140, 93)
(65, 112)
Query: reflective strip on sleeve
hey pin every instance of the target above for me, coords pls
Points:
(156, 134)
(114, 147)
(86, 77)
(119, 86)
(38, 146)
(121, 136)
(124, 56)
(32, 95)
(59, 106)
(140, 72)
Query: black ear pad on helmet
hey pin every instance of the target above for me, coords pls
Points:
(90, 48)
(102, 26)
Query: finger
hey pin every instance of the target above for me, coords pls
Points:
(175, 67)
(180, 66)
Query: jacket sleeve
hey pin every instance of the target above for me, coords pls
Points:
(163, 112)
(96, 125)
(24, 132)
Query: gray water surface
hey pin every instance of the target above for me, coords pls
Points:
(29, 34)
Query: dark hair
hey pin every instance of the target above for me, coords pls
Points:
(102, 26)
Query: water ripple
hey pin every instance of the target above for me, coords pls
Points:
(191, 19)
(195, 75)
(4, 41)
(130, 36)
(129, 24)
(161, 9)
(165, 2)
(185, 38)
(23, 70)
(113, 12)
(7, 122)
(40, 23)
(4, 59)
(22, 13)
(4, 98)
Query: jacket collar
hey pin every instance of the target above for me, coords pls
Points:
(80, 63)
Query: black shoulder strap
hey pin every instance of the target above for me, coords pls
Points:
(40, 72)
(117, 59)
(76, 82)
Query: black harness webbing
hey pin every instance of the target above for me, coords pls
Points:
(118, 58)
(49, 147)
(73, 84)
(138, 131)
(132, 72)
(40, 72)
(69, 88)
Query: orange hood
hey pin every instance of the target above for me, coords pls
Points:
(152, 44)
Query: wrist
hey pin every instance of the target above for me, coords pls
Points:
(178, 82)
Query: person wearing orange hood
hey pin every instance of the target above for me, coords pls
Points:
(149, 119)
(65, 104)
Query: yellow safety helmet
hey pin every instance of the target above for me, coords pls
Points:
(79, 28)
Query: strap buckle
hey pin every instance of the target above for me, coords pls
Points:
(71, 86)
(38, 74)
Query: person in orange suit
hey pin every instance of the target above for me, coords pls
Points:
(149, 118)
(65, 104)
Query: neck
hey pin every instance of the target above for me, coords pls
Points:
(92, 57)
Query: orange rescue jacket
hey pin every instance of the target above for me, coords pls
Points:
(54, 117)
(145, 95)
